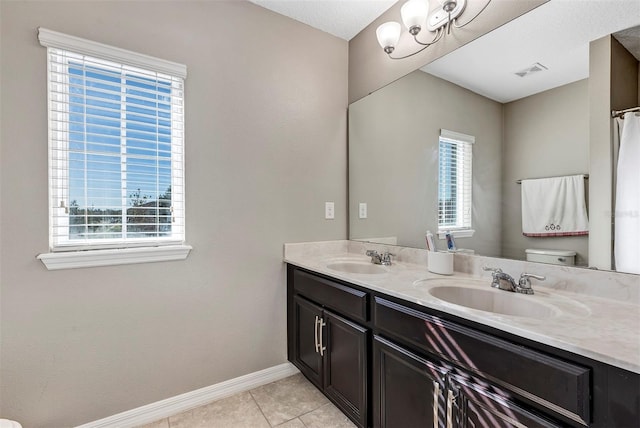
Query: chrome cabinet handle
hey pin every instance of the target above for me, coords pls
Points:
(315, 332)
(436, 395)
(322, 348)
(450, 400)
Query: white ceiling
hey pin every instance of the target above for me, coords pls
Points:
(342, 18)
(556, 34)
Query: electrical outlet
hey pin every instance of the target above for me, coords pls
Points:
(329, 211)
(362, 210)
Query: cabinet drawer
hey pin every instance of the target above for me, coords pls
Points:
(553, 383)
(341, 298)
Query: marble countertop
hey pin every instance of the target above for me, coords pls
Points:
(606, 330)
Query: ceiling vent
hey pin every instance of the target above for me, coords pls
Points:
(531, 69)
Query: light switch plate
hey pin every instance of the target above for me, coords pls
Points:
(362, 210)
(329, 210)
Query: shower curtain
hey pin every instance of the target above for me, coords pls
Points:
(627, 196)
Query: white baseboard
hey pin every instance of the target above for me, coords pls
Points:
(189, 400)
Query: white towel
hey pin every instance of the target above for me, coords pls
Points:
(627, 232)
(554, 207)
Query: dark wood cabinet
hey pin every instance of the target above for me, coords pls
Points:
(306, 354)
(386, 362)
(345, 365)
(474, 406)
(332, 352)
(407, 389)
(551, 383)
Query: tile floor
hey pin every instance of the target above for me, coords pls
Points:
(292, 402)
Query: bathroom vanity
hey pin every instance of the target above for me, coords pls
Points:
(388, 353)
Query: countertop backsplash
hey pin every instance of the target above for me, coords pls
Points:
(607, 284)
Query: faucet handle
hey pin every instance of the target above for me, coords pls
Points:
(495, 272)
(524, 283)
(525, 277)
(386, 258)
(375, 257)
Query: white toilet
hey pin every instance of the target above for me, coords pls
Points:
(6, 423)
(554, 257)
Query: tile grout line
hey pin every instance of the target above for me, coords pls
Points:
(311, 411)
(259, 408)
(330, 403)
(288, 420)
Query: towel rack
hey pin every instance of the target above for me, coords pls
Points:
(586, 177)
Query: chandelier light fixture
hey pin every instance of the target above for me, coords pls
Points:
(415, 16)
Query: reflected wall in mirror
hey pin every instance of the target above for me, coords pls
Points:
(393, 160)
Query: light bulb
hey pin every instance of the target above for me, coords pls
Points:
(414, 14)
(388, 35)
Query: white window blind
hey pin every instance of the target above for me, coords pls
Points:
(455, 181)
(116, 138)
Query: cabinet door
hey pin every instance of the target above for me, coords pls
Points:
(550, 382)
(474, 406)
(407, 390)
(345, 376)
(306, 330)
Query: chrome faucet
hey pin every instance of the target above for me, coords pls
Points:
(501, 280)
(504, 281)
(524, 283)
(380, 259)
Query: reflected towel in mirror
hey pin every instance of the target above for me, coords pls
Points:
(554, 207)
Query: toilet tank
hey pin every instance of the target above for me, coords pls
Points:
(555, 257)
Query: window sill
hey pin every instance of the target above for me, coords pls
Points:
(113, 257)
(464, 233)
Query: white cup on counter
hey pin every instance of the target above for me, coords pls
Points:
(440, 262)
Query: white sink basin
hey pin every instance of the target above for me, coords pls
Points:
(477, 294)
(357, 267)
(494, 301)
(453, 282)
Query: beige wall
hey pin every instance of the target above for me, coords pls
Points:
(393, 160)
(265, 148)
(624, 79)
(600, 154)
(545, 135)
(371, 69)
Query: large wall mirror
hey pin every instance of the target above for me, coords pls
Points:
(524, 127)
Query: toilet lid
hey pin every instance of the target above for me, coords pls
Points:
(561, 253)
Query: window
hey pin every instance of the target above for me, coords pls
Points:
(455, 182)
(115, 147)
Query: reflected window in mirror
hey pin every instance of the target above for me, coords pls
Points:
(455, 161)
